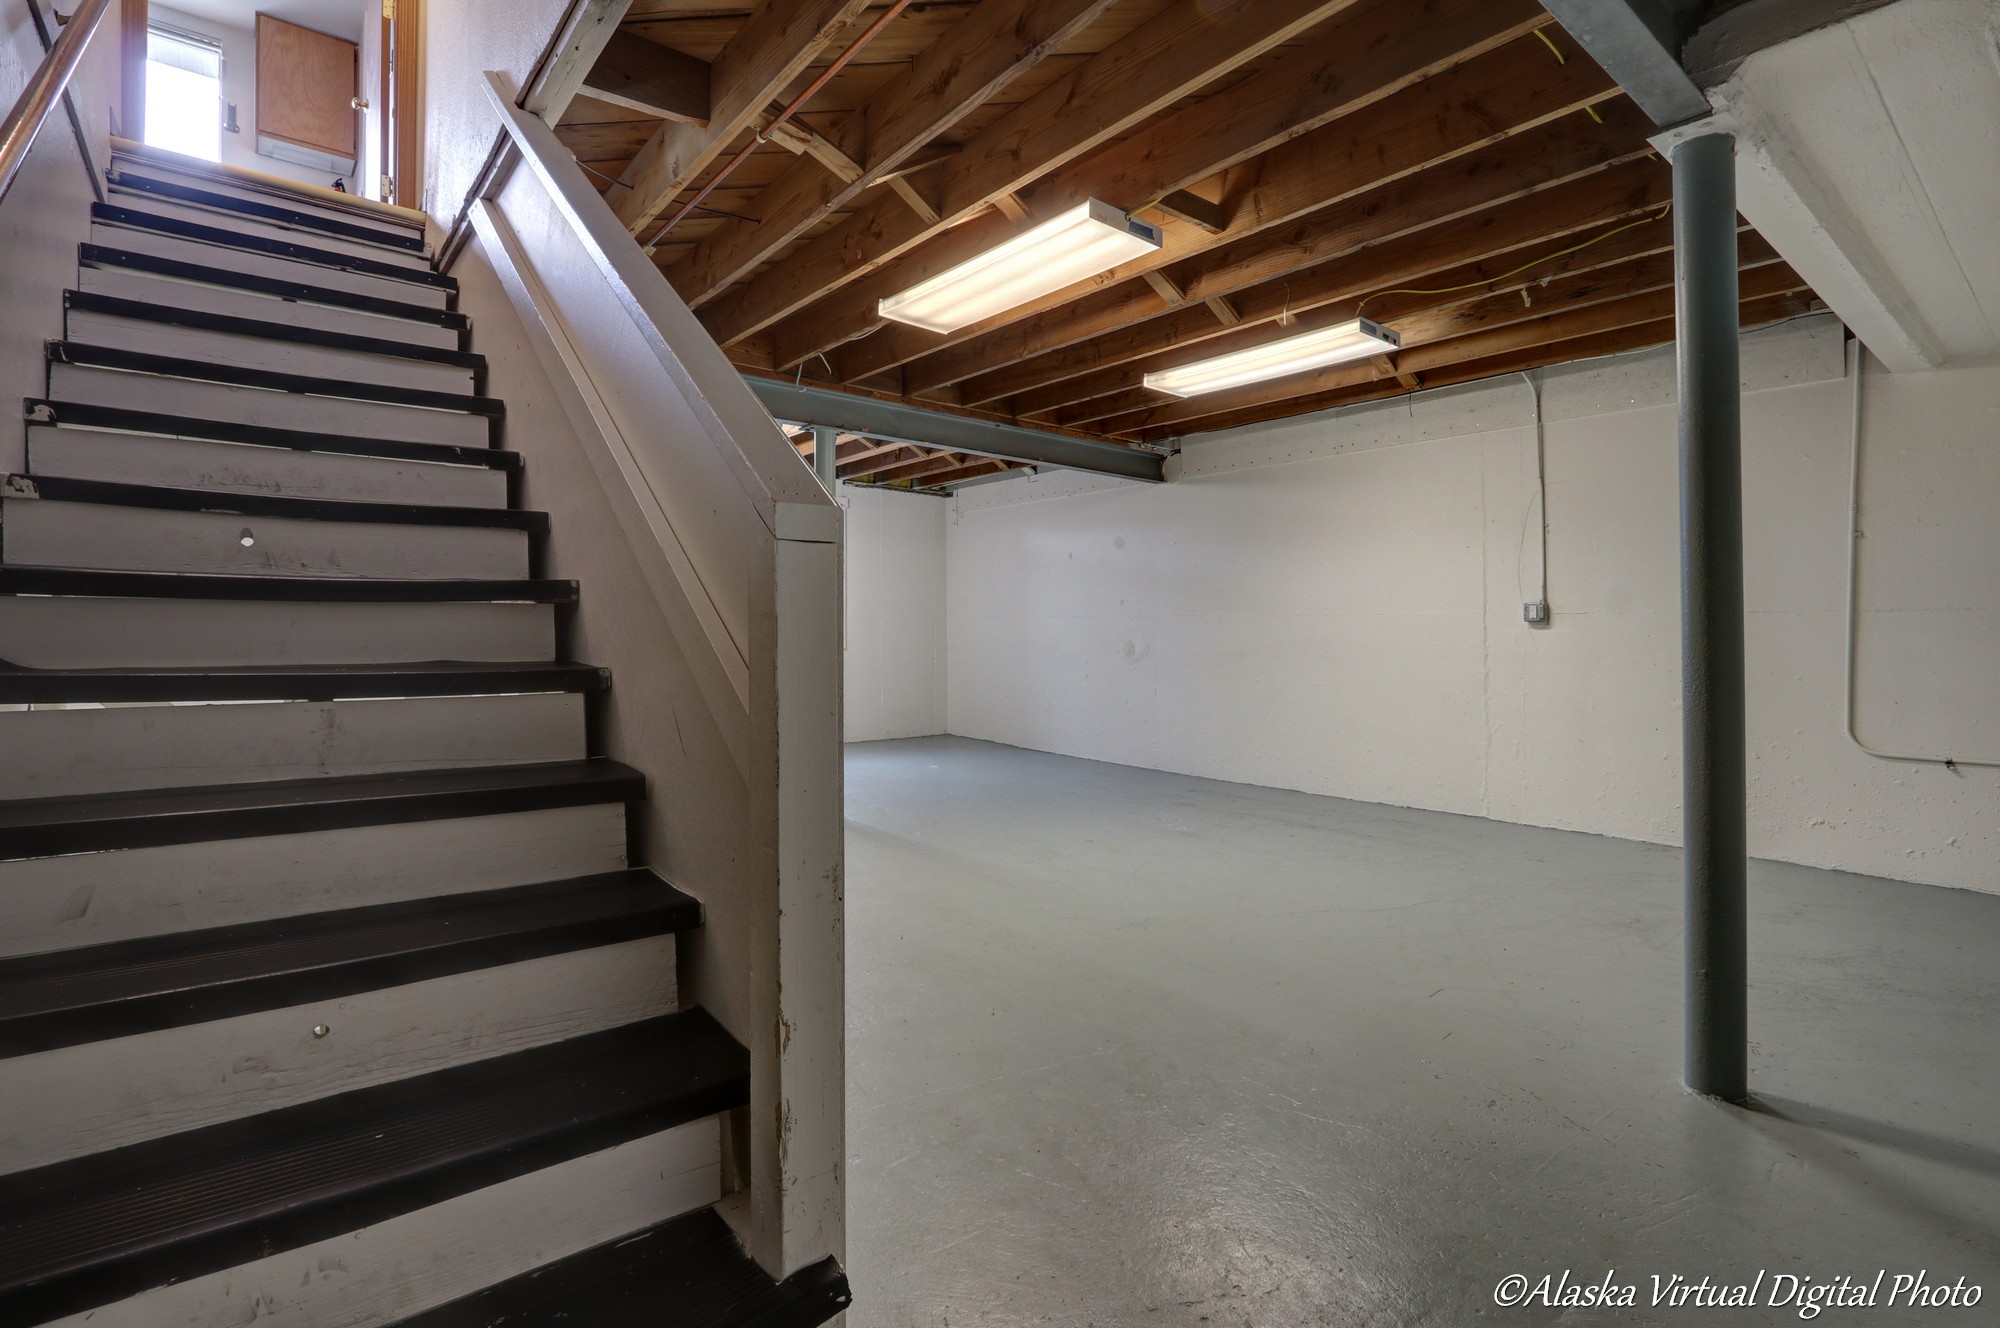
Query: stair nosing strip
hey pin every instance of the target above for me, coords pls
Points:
(115, 306)
(106, 583)
(604, 908)
(150, 818)
(62, 489)
(270, 213)
(713, 1069)
(110, 258)
(84, 355)
(23, 686)
(112, 214)
(189, 428)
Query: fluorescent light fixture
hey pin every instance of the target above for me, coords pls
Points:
(1084, 241)
(1309, 350)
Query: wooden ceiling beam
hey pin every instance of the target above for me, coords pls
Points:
(1473, 247)
(979, 468)
(1475, 107)
(862, 462)
(1422, 319)
(1767, 281)
(774, 46)
(646, 76)
(1530, 234)
(975, 59)
(1640, 336)
(1192, 44)
(1323, 134)
(933, 464)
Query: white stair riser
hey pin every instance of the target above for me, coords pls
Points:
(58, 753)
(254, 352)
(274, 410)
(98, 898)
(61, 1104)
(123, 284)
(42, 533)
(64, 632)
(426, 1258)
(187, 463)
(231, 259)
(236, 222)
(127, 169)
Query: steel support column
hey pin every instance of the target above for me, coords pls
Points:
(826, 465)
(1712, 710)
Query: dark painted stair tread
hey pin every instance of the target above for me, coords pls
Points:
(111, 257)
(690, 1272)
(126, 178)
(86, 823)
(83, 1233)
(113, 214)
(114, 306)
(88, 356)
(81, 415)
(294, 682)
(60, 489)
(107, 991)
(25, 580)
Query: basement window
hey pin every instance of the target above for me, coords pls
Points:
(184, 92)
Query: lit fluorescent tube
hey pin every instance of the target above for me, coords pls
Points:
(1084, 241)
(1310, 350)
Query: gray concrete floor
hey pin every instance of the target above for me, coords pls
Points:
(1130, 1048)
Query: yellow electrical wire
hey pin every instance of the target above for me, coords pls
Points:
(1562, 59)
(1661, 215)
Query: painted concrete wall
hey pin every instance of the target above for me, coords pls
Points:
(1334, 605)
(895, 633)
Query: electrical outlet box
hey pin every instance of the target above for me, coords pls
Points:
(1536, 612)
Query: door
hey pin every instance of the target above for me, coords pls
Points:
(377, 151)
(307, 87)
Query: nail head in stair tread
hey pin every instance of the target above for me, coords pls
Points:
(693, 1263)
(224, 1194)
(293, 682)
(114, 215)
(111, 493)
(116, 418)
(168, 981)
(118, 307)
(88, 356)
(147, 818)
(272, 212)
(104, 256)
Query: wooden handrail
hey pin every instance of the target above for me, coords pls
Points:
(45, 89)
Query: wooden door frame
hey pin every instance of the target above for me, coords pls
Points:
(403, 53)
(132, 39)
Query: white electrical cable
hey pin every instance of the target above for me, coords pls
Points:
(1857, 359)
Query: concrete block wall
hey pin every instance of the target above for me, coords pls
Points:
(1334, 604)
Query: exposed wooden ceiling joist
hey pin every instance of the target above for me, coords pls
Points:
(778, 40)
(645, 76)
(1192, 44)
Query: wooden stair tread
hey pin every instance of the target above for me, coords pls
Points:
(173, 316)
(166, 981)
(690, 1271)
(98, 822)
(85, 1232)
(83, 415)
(61, 489)
(25, 580)
(113, 214)
(135, 181)
(85, 355)
(108, 256)
(294, 682)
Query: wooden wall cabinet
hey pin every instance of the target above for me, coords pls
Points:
(307, 83)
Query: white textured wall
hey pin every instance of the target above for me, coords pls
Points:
(462, 39)
(895, 643)
(1335, 605)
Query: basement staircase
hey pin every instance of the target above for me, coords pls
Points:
(330, 994)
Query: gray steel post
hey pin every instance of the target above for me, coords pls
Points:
(825, 463)
(1712, 738)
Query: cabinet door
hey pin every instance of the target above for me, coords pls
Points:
(306, 85)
